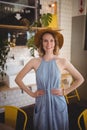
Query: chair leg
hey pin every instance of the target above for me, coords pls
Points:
(67, 99)
(77, 94)
(72, 96)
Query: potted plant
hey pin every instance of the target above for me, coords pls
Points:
(4, 49)
(45, 19)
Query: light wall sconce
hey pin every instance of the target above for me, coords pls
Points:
(52, 4)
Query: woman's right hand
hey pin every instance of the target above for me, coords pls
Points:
(38, 93)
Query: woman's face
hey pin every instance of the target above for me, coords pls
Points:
(48, 42)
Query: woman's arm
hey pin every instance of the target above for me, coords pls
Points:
(78, 78)
(19, 78)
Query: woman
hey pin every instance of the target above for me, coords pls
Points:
(50, 111)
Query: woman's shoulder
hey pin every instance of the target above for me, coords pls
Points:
(61, 60)
(35, 61)
(62, 63)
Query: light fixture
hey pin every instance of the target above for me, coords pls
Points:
(52, 4)
(18, 16)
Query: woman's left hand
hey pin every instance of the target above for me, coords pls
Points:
(57, 92)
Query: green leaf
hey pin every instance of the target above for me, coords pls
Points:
(46, 19)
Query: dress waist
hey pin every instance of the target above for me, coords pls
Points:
(48, 90)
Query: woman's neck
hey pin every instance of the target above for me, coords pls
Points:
(48, 57)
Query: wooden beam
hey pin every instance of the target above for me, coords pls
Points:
(13, 27)
(26, 28)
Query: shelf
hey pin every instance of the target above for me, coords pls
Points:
(26, 28)
(6, 88)
(13, 27)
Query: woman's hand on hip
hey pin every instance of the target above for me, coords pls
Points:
(38, 93)
(57, 92)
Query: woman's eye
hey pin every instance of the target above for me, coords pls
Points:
(48, 41)
(51, 40)
(45, 40)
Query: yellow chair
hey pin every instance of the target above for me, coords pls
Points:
(66, 82)
(14, 117)
(83, 115)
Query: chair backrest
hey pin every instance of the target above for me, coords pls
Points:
(66, 81)
(15, 117)
(82, 120)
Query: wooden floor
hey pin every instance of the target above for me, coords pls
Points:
(75, 109)
(29, 110)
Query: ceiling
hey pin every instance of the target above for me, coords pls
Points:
(10, 0)
(25, 2)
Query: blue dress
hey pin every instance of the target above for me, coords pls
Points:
(50, 111)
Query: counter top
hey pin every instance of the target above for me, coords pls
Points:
(6, 88)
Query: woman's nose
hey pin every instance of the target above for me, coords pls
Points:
(48, 43)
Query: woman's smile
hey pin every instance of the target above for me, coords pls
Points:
(48, 42)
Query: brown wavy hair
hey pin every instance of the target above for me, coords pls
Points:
(56, 47)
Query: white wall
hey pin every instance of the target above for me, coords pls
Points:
(65, 17)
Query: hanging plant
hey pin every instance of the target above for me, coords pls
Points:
(4, 49)
(30, 44)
